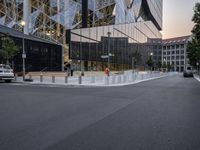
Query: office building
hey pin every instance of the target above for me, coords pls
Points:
(93, 34)
(174, 52)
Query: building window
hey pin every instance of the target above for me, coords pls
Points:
(168, 47)
(177, 46)
(164, 47)
(182, 51)
(182, 46)
(182, 57)
(172, 47)
(177, 52)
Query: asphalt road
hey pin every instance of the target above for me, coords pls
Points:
(162, 114)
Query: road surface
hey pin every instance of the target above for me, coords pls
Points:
(162, 114)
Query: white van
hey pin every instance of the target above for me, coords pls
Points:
(6, 73)
(188, 71)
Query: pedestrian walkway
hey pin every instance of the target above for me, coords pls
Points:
(128, 77)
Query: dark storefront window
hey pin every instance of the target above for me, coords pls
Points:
(39, 56)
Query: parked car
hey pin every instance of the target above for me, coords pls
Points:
(6, 73)
(188, 72)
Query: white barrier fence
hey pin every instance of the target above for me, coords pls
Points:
(127, 77)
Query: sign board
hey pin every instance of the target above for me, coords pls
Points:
(104, 56)
(24, 56)
(111, 55)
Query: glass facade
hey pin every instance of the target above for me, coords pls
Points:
(39, 55)
(132, 26)
(82, 27)
(90, 45)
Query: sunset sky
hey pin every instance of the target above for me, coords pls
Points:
(177, 15)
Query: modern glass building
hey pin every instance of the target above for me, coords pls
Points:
(93, 33)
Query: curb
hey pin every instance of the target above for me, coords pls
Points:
(91, 85)
(197, 78)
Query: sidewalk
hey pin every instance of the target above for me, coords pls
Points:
(197, 77)
(127, 78)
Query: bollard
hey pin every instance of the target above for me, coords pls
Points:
(136, 76)
(30, 76)
(93, 79)
(133, 77)
(80, 79)
(16, 77)
(119, 80)
(113, 79)
(142, 76)
(53, 79)
(107, 80)
(41, 78)
(66, 79)
(124, 78)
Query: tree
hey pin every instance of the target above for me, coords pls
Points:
(8, 49)
(159, 65)
(164, 65)
(150, 62)
(136, 57)
(169, 66)
(193, 47)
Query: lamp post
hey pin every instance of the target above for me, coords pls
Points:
(198, 72)
(151, 54)
(23, 24)
(133, 63)
(164, 62)
(109, 33)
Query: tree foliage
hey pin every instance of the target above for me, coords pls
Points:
(8, 49)
(193, 46)
(150, 62)
(136, 57)
(159, 64)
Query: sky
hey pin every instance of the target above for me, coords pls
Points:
(177, 17)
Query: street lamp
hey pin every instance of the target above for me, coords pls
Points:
(109, 33)
(23, 24)
(151, 54)
(164, 62)
(133, 63)
(198, 71)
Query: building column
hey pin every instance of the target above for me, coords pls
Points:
(26, 15)
(84, 13)
(66, 36)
